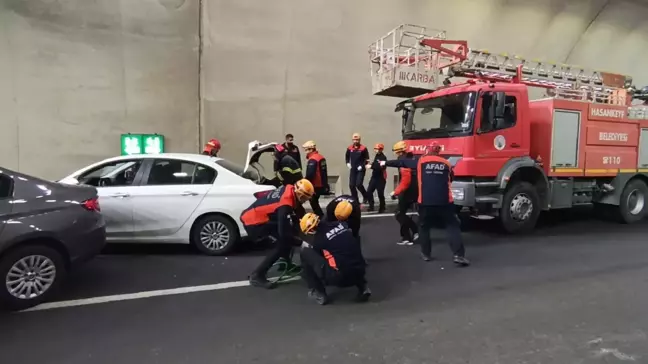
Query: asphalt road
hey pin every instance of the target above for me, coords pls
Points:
(576, 291)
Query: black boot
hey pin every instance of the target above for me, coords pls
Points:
(257, 280)
(363, 293)
(319, 297)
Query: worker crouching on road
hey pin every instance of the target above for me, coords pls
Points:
(287, 162)
(272, 215)
(212, 148)
(345, 208)
(356, 158)
(435, 203)
(334, 258)
(317, 173)
(378, 179)
(406, 192)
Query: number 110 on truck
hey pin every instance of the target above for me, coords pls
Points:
(523, 136)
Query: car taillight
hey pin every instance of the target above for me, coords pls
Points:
(92, 205)
(261, 194)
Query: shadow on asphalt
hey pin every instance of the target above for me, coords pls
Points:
(570, 222)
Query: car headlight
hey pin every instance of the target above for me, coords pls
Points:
(458, 194)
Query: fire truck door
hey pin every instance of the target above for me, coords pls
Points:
(499, 134)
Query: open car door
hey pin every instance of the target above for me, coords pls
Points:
(254, 169)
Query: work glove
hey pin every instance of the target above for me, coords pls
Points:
(368, 166)
(305, 245)
(359, 168)
(393, 195)
(382, 163)
(349, 165)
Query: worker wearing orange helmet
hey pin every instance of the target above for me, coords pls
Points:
(345, 208)
(406, 192)
(212, 148)
(356, 158)
(272, 215)
(378, 179)
(334, 258)
(317, 173)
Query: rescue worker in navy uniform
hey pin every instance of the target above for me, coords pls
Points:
(317, 173)
(345, 208)
(356, 158)
(406, 192)
(436, 203)
(274, 215)
(378, 179)
(212, 148)
(334, 258)
(287, 162)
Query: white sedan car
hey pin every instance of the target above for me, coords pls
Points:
(176, 198)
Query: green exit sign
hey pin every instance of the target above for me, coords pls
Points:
(142, 144)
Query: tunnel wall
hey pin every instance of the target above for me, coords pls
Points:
(80, 73)
(76, 74)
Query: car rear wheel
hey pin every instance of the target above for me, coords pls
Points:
(214, 235)
(30, 275)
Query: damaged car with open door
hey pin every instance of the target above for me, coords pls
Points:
(179, 197)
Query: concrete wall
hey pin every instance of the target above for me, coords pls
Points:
(297, 66)
(77, 73)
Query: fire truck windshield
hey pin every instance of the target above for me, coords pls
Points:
(441, 117)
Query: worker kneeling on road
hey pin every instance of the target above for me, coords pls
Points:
(317, 173)
(345, 208)
(272, 215)
(333, 259)
(436, 203)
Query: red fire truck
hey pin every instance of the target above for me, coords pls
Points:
(583, 143)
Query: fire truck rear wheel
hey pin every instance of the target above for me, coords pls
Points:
(520, 208)
(633, 203)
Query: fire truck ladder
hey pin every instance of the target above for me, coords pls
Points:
(567, 81)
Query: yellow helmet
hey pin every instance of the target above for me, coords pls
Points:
(399, 147)
(304, 190)
(309, 145)
(309, 223)
(343, 210)
(355, 136)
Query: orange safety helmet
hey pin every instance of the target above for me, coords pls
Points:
(304, 190)
(379, 146)
(343, 210)
(399, 147)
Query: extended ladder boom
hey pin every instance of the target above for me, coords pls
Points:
(410, 61)
(482, 63)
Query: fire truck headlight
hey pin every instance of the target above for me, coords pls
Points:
(457, 193)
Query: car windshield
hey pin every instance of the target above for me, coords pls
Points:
(441, 117)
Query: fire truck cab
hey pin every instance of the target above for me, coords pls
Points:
(583, 143)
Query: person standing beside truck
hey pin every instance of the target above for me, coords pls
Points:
(356, 158)
(406, 192)
(378, 179)
(435, 202)
(317, 173)
(289, 168)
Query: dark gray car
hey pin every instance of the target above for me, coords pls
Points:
(45, 229)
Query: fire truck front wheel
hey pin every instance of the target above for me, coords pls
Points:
(633, 204)
(520, 208)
